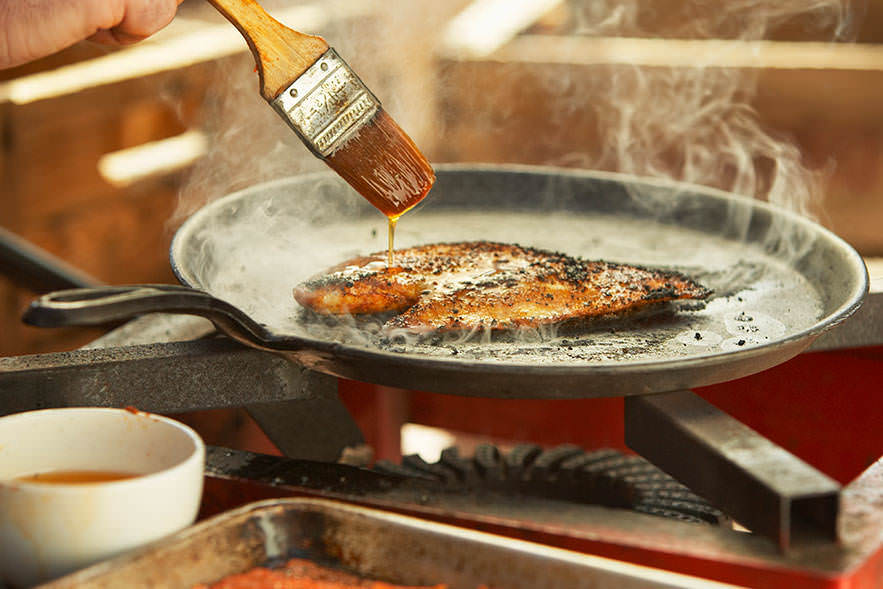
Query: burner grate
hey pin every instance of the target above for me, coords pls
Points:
(602, 477)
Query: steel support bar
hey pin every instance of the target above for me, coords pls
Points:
(309, 429)
(299, 410)
(36, 269)
(761, 485)
(165, 378)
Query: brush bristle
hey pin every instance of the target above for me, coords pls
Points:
(383, 165)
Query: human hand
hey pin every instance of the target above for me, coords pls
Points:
(30, 29)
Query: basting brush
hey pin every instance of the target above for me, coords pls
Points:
(332, 111)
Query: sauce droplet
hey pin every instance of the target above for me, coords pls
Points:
(392, 237)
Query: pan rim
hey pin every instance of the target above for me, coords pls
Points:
(297, 344)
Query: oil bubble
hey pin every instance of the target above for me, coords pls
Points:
(753, 325)
(699, 337)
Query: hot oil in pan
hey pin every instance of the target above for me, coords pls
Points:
(744, 277)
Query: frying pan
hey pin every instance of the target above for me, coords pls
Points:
(779, 280)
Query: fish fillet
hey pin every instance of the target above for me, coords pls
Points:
(482, 284)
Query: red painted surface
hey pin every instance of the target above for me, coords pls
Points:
(379, 412)
(825, 407)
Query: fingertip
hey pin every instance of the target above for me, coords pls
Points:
(142, 18)
(146, 17)
(115, 37)
(102, 37)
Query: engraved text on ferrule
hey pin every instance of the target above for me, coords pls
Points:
(324, 102)
(361, 109)
(327, 104)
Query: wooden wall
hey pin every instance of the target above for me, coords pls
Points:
(55, 197)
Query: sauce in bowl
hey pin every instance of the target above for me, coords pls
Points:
(76, 477)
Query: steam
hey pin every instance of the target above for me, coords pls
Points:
(691, 122)
(696, 124)
(248, 143)
(746, 20)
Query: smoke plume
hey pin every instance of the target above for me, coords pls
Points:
(695, 122)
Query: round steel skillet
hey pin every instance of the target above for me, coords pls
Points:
(780, 280)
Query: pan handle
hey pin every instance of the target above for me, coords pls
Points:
(95, 306)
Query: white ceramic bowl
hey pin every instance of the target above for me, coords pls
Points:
(48, 530)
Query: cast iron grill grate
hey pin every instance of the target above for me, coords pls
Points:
(602, 477)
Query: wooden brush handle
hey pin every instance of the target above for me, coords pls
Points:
(281, 54)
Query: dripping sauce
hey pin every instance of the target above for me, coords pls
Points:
(383, 165)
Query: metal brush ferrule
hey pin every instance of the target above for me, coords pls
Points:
(326, 104)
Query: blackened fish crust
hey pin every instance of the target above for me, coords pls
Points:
(483, 284)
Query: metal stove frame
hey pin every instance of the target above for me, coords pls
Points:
(823, 535)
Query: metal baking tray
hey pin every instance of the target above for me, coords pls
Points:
(369, 542)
